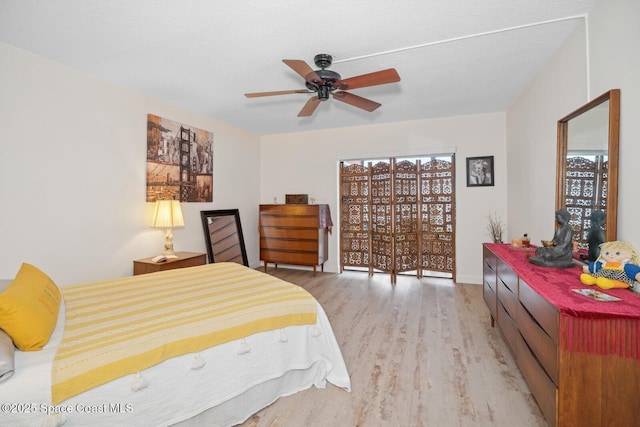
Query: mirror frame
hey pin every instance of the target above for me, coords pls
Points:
(225, 242)
(613, 96)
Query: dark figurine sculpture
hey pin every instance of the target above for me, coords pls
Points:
(595, 236)
(560, 253)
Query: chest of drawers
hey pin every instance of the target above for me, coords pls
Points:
(294, 234)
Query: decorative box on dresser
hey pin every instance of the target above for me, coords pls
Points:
(580, 357)
(295, 234)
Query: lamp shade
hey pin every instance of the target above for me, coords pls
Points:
(167, 214)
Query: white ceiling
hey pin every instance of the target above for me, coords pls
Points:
(454, 57)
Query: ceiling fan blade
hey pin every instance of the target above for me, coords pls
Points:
(302, 68)
(356, 101)
(280, 92)
(372, 79)
(309, 107)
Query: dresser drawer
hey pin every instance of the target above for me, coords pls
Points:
(289, 233)
(489, 276)
(290, 209)
(541, 344)
(490, 259)
(290, 244)
(490, 298)
(507, 289)
(543, 389)
(508, 327)
(507, 275)
(289, 221)
(489, 294)
(290, 216)
(541, 311)
(289, 257)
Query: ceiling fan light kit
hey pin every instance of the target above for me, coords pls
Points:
(325, 82)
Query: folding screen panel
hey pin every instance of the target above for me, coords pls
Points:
(437, 216)
(381, 220)
(354, 216)
(398, 216)
(406, 219)
(586, 191)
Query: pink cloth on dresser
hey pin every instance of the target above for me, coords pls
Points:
(587, 325)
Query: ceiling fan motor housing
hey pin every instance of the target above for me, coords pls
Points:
(325, 86)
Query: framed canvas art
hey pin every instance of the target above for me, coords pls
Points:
(179, 161)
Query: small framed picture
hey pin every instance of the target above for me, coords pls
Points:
(480, 171)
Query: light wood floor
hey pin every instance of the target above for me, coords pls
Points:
(420, 353)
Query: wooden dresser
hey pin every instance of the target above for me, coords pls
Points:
(581, 362)
(294, 234)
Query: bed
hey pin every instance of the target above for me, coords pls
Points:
(221, 369)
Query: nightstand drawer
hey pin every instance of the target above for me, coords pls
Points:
(185, 259)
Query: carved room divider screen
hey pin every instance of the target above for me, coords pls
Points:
(586, 191)
(398, 216)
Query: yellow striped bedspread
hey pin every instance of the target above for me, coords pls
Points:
(119, 327)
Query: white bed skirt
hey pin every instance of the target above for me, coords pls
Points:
(232, 385)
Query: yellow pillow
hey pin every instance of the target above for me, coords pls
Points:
(29, 308)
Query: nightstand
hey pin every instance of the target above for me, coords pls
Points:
(185, 259)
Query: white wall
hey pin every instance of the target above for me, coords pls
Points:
(307, 163)
(614, 62)
(72, 158)
(565, 84)
(532, 139)
(72, 173)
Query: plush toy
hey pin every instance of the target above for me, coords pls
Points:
(618, 266)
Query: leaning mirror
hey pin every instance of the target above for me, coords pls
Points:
(223, 236)
(587, 166)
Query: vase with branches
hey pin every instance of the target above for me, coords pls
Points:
(495, 226)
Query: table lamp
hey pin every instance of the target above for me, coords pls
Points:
(167, 214)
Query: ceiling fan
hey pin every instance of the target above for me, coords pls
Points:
(324, 82)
